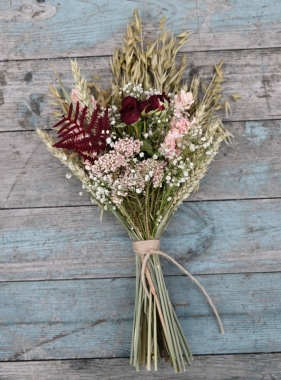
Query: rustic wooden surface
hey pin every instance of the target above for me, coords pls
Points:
(214, 367)
(67, 279)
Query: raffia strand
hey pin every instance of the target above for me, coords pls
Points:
(145, 248)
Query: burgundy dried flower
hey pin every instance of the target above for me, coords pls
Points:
(129, 112)
(154, 102)
(144, 106)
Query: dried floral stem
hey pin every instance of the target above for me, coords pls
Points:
(144, 273)
(140, 161)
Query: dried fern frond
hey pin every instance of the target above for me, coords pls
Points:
(86, 139)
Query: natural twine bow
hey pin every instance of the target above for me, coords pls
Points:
(151, 247)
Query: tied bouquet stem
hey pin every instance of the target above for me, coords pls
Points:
(140, 148)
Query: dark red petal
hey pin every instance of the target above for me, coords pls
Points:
(129, 117)
(144, 105)
(164, 97)
(129, 101)
(154, 102)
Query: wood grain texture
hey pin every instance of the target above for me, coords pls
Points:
(211, 237)
(93, 318)
(41, 30)
(249, 168)
(83, 307)
(214, 367)
(254, 74)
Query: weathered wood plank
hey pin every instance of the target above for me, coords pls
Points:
(214, 367)
(93, 318)
(249, 168)
(253, 74)
(211, 237)
(40, 30)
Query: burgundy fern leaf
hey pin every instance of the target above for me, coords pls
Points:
(88, 140)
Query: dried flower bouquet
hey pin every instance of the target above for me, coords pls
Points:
(140, 148)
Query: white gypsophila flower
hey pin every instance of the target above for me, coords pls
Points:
(141, 154)
(108, 140)
(155, 157)
(68, 175)
(80, 193)
(169, 199)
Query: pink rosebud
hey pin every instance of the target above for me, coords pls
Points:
(94, 102)
(75, 95)
(75, 98)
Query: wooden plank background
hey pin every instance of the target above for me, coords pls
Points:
(67, 279)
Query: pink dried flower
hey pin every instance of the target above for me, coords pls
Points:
(75, 98)
(128, 147)
(183, 101)
(75, 95)
(119, 173)
(94, 102)
(179, 127)
(182, 124)
(108, 163)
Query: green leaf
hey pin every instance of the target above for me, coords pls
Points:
(147, 147)
(120, 125)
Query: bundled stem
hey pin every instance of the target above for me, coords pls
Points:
(156, 329)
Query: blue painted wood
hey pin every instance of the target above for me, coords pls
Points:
(93, 318)
(40, 30)
(212, 237)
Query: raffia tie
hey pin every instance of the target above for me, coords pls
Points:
(145, 248)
